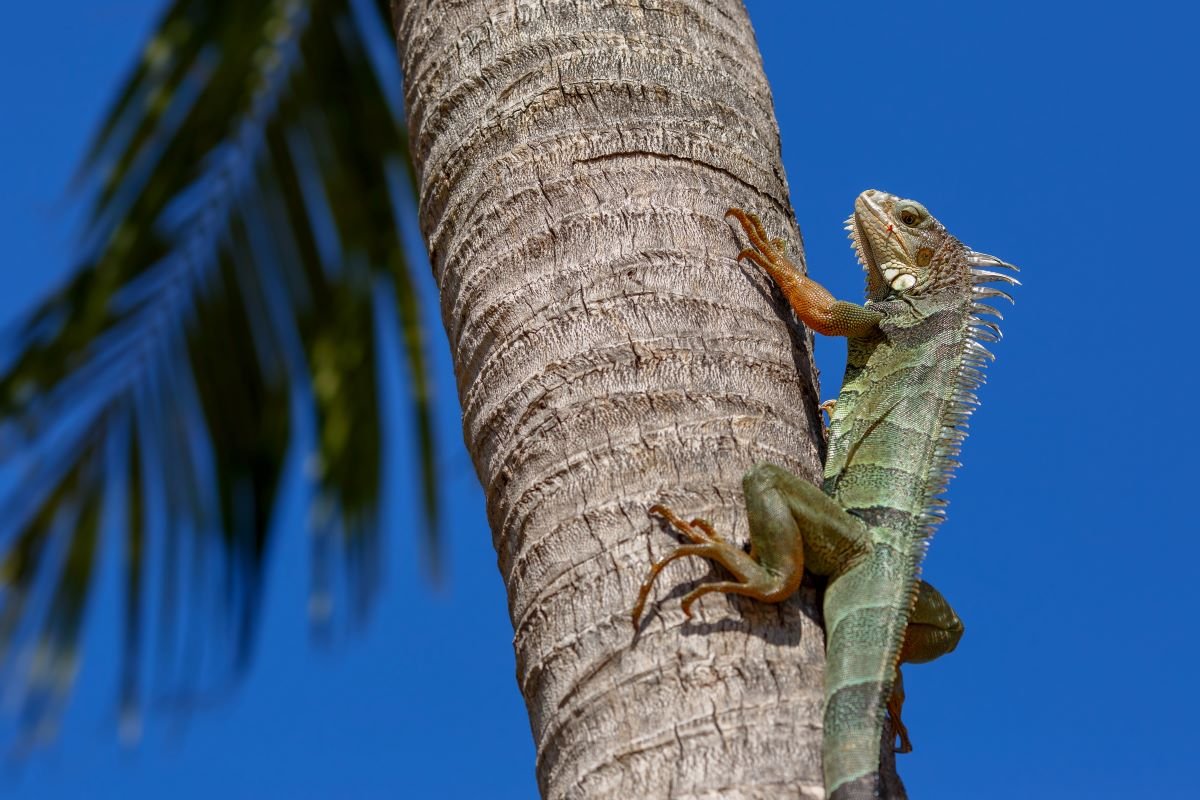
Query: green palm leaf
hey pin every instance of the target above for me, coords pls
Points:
(241, 237)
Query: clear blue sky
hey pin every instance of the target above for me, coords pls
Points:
(1058, 136)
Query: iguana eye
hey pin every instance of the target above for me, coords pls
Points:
(910, 217)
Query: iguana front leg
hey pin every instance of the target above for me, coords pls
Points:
(792, 524)
(811, 301)
(933, 631)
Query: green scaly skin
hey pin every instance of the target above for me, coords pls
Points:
(915, 358)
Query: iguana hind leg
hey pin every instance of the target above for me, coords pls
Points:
(933, 630)
(706, 543)
(791, 521)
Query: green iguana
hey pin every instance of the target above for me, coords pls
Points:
(915, 359)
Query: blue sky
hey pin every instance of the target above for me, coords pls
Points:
(1058, 136)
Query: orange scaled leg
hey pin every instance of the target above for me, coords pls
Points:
(812, 302)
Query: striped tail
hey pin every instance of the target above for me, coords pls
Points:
(866, 611)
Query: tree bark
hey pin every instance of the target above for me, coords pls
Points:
(576, 158)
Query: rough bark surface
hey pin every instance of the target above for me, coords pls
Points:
(576, 158)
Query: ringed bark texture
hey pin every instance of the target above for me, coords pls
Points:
(576, 158)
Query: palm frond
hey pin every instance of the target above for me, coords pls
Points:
(241, 230)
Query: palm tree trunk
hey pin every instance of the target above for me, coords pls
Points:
(576, 159)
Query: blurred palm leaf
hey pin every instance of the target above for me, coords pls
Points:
(241, 234)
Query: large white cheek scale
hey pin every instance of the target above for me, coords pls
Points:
(898, 280)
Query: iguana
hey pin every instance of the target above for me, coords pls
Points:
(915, 359)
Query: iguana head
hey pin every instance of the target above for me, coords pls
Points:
(906, 251)
(901, 245)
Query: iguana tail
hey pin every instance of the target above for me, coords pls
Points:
(866, 611)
